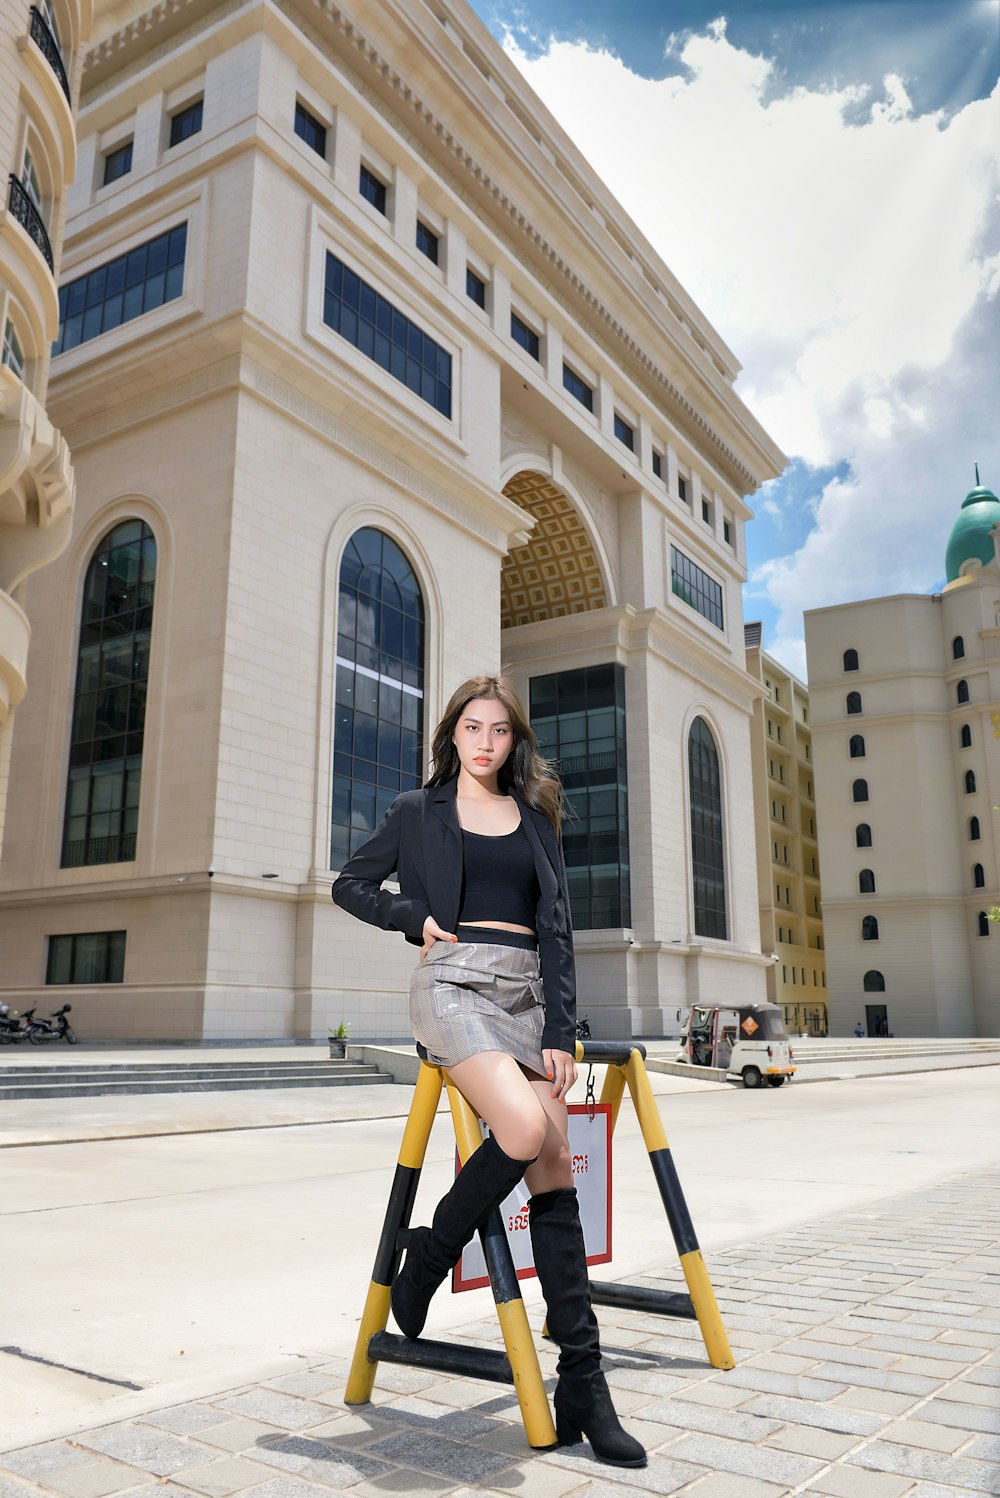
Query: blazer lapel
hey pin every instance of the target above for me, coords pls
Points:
(443, 852)
(540, 833)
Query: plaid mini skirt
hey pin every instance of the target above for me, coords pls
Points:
(472, 996)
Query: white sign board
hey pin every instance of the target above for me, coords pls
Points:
(590, 1145)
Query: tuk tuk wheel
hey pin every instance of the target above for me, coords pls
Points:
(752, 1076)
(775, 1081)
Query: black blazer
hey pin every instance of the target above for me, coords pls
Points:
(421, 841)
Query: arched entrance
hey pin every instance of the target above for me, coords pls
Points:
(558, 572)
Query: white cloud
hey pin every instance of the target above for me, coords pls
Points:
(851, 266)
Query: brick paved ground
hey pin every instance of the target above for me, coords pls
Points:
(868, 1367)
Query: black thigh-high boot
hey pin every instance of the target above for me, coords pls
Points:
(582, 1399)
(481, 1185)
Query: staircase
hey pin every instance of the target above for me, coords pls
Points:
(131, 1079)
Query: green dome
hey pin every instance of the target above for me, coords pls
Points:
(970, 535)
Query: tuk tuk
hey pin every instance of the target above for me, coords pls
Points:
(747, 1041)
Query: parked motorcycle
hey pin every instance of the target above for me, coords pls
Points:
(56, 1027)
(13, 1028)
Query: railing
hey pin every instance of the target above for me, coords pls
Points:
(28, 216)
(41, 33)
(119, 847)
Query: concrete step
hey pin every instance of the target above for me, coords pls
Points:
(54, 1085)
(176, 1069)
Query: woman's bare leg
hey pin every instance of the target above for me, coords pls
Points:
(496, 1087)
(553, 1170)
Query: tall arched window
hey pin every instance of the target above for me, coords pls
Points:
(379, 718)
(862, 835)
(854, 702)
(707, 851)
(965, 737)
(869, 928)
(974, 833)
(984, 923)
(978, 876)
(874, 981)
(859, 790)
(109, 709)
(962, 691)
(866, 882)
(850, 660)
(857, 746)
(957, 648)
(970, 782)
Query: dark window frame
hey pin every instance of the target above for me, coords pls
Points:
(373, 189)
(984, 923)
(112, 968)
(186, 122)
(144, 278)
(428, 242)
(695, 587)
(854, 704)
(965, 737)
(869, 928)
(624, 432)
(856, 746)
(525, 336)
(475, 287)
(117, 163)
(866, 882)
(962, 692)
(309, 129)
(708, 850)
(863, 835)
(578, 387)
(859, 791)
(851, 661)
(958, 648)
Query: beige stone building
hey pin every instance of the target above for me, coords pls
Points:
(41, 54)
(788, 875)
(905, 695)
(371, 384)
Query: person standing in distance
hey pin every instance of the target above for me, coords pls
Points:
(482, 892)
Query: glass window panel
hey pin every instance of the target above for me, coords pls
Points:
(390, 703)
(116, 957)
(363, 807)
(154, 292)
(60, 959)
(366, 694)
(365, 736)
(388, 745)
(90, 957)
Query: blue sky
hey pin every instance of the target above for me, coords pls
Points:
(827, 186)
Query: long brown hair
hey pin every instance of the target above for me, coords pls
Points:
(531, 776)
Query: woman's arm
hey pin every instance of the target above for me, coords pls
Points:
(358, 888)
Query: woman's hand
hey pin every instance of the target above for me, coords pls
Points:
(560, 1068)
(431, 933)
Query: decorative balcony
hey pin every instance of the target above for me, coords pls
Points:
(28, 216)
(41, 35)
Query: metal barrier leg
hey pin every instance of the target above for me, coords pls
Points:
(528, 1383)
(695, 1273)
(404, 1189)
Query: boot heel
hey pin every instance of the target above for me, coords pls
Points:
(566, 1432)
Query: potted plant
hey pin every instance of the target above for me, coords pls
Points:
(338, 1040)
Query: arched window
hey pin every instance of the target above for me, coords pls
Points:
(857, 746)
(859, 790)
(984, 923)
(707, 853)
(862, 835)
(874, 981)
(866, 882)
(970, 782)
(962, 691)
(854, 702)
(379, 717)
(109, 709)
(965, 737)
(978, 876)
(974, 833)
(869, 928)
(957, 648)
(850, 660)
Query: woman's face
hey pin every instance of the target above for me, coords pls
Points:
(483, 737)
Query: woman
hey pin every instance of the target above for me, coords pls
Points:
(482, 892)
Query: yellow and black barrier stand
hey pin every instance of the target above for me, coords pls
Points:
(627, 1066)
(519, 1364)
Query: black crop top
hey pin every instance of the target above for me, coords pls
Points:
(499, 883)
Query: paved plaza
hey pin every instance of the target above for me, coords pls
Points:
(866, 1337)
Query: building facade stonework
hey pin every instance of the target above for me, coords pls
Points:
(371, 386)
(905, 706)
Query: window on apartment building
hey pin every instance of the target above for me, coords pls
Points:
(808, 752)
(965, 737)
(707, 849)
(854, 702)
(370, 322)
(86, 957)
(310, 129)
(957, 648)
(970, 782)
(770, 734)
(372, 189)
(109, 708)
(624, 432)
(984, 923)
(682, 488)
(859, 790)
(186, 122)
(579, 720)
(13, 355)
(475, 287)
(874, 981)
(696, 588)
(727, 533)
(869, 928)
(31, 183)
(117, 163)
(379, 710)
(862, 835)
(428, 243)
(706, 512)
(974, 833)
(139, 281)
(978, 876)
(781, 933)
(857, 746)
(526, 337)
(657, 464)
(777, 894)
(851, 660)
(578, 387)
(962, 691)
(784, 973)
(795, 975)
(866, 882)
